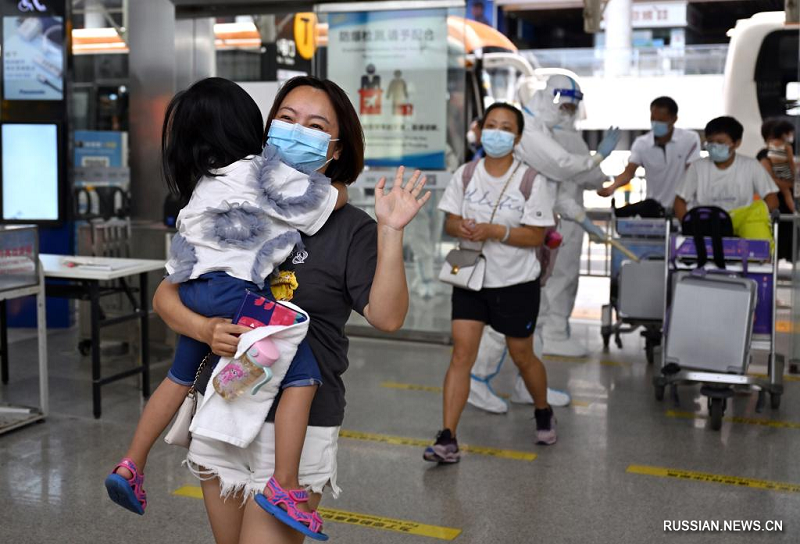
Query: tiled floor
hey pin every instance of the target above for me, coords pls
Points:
(587, 488)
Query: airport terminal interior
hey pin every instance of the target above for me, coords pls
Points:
(609, 221)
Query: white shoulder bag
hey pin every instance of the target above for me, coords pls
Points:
(466, 268)
(178, 434)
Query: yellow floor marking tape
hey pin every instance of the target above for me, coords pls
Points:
(560, 359)
(782, 325)
(662, 472)
(412, 387)
(191, 491)
(389, 524)
(362, 520)
(614, 363)
(785, 377)
(417, 443)
(434, 389)
(745, 420)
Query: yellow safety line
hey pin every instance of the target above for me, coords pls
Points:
(362, 520)
(785, 377)
(783, 325)
(434, 389)
(744, 420)
(662, 472)
(389, 524)
(418, 443)
(560, 359)
(614, 363)
(412, 387)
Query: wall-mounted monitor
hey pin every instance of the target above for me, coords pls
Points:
(31, 183)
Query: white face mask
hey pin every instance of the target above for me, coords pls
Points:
(472, 139)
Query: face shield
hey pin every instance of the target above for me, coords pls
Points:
(558, 104)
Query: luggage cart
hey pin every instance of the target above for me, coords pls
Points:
(636, 296)
(751, 261)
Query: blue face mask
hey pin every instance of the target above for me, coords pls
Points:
(299, 145)
(718, 152)
(497, 143)
(660, 128)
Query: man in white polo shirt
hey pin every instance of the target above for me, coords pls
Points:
(665, 153)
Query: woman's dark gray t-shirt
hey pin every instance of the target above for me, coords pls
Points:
(334, 274)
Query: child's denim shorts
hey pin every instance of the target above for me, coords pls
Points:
(217, 294)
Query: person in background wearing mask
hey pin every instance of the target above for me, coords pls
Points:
(778, 160)
(474, 146)
(493, 212)
(551, 145)
(725, 179)
(665, 153)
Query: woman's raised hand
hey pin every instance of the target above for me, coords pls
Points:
(400, 205)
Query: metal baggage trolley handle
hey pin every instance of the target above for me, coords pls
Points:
(719, 387)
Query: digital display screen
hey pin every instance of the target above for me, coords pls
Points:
(30, 190)
(33, 58)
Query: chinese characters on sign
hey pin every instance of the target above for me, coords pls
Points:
(393, 65)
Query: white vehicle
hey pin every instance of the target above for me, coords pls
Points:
(761, 74)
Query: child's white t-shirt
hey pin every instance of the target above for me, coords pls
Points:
(244, 220)
(706, 185)
(506, 265)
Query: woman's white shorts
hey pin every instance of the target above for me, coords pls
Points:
(248, 469)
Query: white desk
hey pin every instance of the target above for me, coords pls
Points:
(84, 284)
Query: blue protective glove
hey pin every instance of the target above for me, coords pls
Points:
(609, 142)
(596, 234)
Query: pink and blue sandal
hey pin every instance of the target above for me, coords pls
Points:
(129, 494)
(310, 524)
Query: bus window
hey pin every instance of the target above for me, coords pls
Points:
(776, 70)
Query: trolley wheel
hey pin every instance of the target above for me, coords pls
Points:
(775, 401)
(716, 409)
(85, 347)
(660, 387)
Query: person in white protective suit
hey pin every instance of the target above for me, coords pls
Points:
(553, 146)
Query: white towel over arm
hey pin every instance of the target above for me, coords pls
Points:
(238, 421)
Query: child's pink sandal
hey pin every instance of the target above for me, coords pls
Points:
(308, 523)
(129, 493)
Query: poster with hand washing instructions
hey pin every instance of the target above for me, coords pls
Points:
(393, 66)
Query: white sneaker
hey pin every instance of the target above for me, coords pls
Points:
(564, 348)
(558, 398)
(554, 396)
(482, 397)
